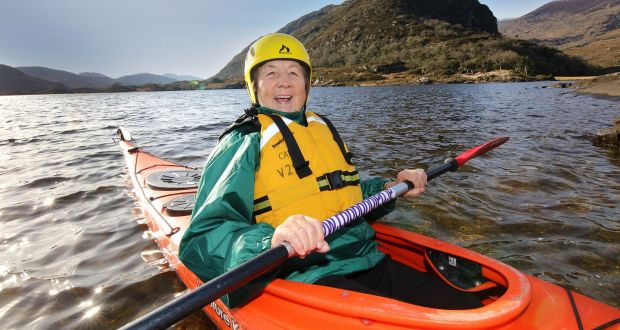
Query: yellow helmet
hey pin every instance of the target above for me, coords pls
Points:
(274, 46)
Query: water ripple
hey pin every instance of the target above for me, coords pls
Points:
(72, 252)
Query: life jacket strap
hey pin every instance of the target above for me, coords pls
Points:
(261, 205)
(337, 179)
(347, 154)
(247, 119)
(300, 164)
(328, 181)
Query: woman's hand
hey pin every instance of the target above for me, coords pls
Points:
(303, 233)
(417, 176)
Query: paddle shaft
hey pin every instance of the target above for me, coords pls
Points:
(176, 310)
(364, 207)
(181, 307)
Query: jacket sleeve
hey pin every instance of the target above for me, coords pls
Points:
(221, 234)
(370, 187)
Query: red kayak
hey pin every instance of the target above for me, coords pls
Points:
(512, 300)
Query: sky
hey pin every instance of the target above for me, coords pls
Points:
(185, 37)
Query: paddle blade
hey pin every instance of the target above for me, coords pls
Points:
(479, 150)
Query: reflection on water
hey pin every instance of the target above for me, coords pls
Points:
(75, 253)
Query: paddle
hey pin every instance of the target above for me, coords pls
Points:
(177, 309)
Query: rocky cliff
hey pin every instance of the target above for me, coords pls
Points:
(586, 28)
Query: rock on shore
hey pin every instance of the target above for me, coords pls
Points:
(609, 136)
(603, 85)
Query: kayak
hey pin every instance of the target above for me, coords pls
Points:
(512, 300)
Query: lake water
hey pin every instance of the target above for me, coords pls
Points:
(75, 253)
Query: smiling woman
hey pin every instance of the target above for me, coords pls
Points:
(281, 85)
(280, 171)
(278, 66)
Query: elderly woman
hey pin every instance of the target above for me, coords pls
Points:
(275, 174)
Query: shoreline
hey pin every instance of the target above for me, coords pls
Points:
(606, 85)
(574, 78)
(331, 77)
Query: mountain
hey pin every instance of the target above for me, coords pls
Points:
(96, 80)
(402, 41)
(36, 79)
(586, 28)
(13, 81)
(93, 75)
(143, 78)
(182, 78)
(66, 78)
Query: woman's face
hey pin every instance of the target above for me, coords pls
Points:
(281, 85)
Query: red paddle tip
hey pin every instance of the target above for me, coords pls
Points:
(481, 149)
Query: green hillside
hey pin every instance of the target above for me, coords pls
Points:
(13, 81)
(401, 41)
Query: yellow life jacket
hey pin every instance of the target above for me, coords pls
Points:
(302, 170)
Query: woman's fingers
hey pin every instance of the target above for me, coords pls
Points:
(319, 238)
(417, 177)
(322, 247)
(303, 233)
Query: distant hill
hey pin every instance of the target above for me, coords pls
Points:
(93, 75)
(13, 81)
(92, 80)
(71, 80)
(182, 78)
(35, 79)
(143, 78)
(401, 41)
(586, 28)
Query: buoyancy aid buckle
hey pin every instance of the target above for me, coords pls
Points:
(334, 180)
(337, 179)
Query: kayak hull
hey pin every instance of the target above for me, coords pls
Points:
(513, 300)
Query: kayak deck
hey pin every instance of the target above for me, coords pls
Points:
(512, 299)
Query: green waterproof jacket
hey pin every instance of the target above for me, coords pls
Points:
(222, 235)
